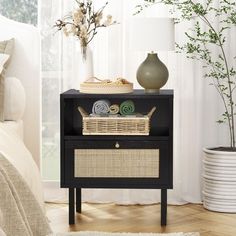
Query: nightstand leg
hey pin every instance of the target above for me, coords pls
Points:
(163, 206)
(71, 206)
(78, 200)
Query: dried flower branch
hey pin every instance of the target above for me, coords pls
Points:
(84, 22)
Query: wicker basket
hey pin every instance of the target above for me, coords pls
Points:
(116, 125)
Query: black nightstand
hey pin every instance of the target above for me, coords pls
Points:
(156, 148)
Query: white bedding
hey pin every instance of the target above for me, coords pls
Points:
(14, 126)
(13, 148)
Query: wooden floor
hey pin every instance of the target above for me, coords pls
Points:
(114, 218)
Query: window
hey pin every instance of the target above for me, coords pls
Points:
(25, 11)
(51, 88)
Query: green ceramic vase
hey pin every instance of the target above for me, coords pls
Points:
(152, 74)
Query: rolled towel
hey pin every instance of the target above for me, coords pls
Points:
(127, 107)
(101, 107)
(114, 109)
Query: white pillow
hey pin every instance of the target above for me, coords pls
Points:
(14, 99)
(3, 60)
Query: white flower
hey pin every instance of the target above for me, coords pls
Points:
(77, 16)
(65, 31)
(98, 18)
(70, 30)
(73, 30)
(108, 21)
(83, 31)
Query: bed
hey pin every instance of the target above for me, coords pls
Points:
(22, 137)
(21, 185)
(25, 65)
(14, 149)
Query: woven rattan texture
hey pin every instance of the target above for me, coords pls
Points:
(117, 163)
(116, 126)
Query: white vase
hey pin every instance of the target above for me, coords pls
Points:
(219, 181)
(85, 68)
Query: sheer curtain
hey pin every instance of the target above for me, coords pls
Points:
(196, 105)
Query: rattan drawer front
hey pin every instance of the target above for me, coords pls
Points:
(136, 163)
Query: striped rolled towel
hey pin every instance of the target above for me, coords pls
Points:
(114, 109)
(127, 107)
(101, 107)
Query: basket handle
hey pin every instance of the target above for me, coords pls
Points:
(150, 113)
(82, 112)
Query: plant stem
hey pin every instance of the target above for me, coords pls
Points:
(219, 90)
(231, 120)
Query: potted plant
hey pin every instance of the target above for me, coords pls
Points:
(203, 40)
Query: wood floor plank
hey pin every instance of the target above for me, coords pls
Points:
(136, 218)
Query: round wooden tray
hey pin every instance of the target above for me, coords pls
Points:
(105, 88)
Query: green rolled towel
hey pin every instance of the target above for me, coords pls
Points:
(127, 108)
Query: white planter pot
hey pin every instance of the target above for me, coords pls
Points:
(219, 181)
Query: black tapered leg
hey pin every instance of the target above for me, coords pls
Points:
(71, 206)
(78, 200)
(163, 206)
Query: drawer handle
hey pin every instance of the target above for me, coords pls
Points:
(117, 145)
